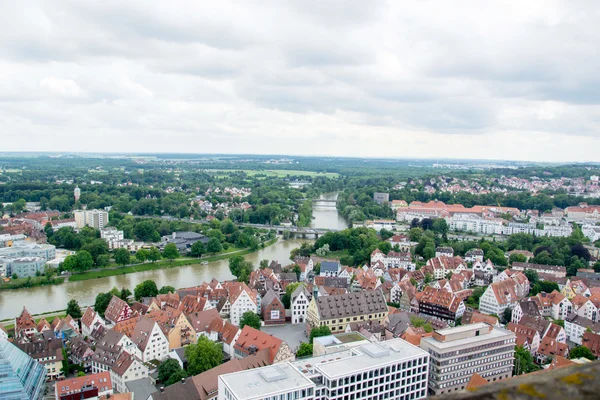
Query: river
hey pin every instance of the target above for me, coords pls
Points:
(55, 297)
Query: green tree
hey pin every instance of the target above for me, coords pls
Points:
(125, 294)
(523, 362)
(197, 249)
(581, 351)
(264, 264)
(145, 289)
(168, 368)
(73, 309)
(103, 260)
(251, 319)
(170, 252)
(203, 356)
(154, 254)
(141, 255)
(146, 232)
(319, 331)
(516, 257)
(177, 376)
(166, 289)
(102, 300)
(214, 245)
(122, 256)
(506, 315)
(304, 350)
(69, 263)
(532, 276)
(85, 260)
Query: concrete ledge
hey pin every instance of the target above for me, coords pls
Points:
(576, 382)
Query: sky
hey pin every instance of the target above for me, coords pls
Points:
(515, 80)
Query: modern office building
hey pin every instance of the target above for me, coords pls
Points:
(393, 369)
(21, 377)
(97, 219)
(458, 353)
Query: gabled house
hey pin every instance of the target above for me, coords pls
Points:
(127, 368)
(241, 300)
(527, 337)
(25, 326)
(299, 304)
(525, 307)
(272, 309)
(81, 353)
(150, 339)
(118, 310)
(329, 268)
(575, 287)
(251, 341)
(440, 303)
(89, 320)
(576, 326)
(551, 348)
(505, 293)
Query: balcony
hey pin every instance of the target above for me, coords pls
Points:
(576, 382)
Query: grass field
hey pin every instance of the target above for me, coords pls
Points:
(281, 173)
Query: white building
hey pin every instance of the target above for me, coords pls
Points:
(241, 300)
(299, 304)
(504, 294)
(150, 339)
(390, 369)
(97, 219)
(576, 326)
(458, 353)
(127, 368)
(111, 234)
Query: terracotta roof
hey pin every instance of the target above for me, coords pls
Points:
(439, 297)
(203, 319)
(88, 317)
(114, 309)
(127, 326)
(251, 337)
(558, 362)
(476, 381)
(123, 363)
(550, 347)
(24, 321)
(592, 342)
(101, 380)
(474, 317)
(524, 334)
(578, 301)
(42, 325)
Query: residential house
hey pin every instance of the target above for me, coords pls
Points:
(575, 287)
(444, 251)
(337, 311)
(117, 310)
(25, 326)
(504, 294)
(150, 339)
(576, 326)
(440, 266)
(48, 353)
(440, 303)
(591, 341)
(551, 348)
(329, 268)
(125, 369)
(474, 255)
(299, 302)
(84, 387)
(484, 273)
(251, 341)
(272, 309)
(527, 337)
(176, 327)
(558, 271)
(585, 307)
(525, 307)
(241, 300)
(81, 353)
(89, 320)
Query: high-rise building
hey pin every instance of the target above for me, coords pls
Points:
(21, 377)
(457, 353)
(393, 369)
(97, 219)
(77, 193)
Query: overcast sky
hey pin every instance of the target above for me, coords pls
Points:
(468, 79)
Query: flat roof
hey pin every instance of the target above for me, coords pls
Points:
(495, 334)
(261, 382)
(462, 328)
(363, 357)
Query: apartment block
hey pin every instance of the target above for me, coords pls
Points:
(393, 369)
(458, 353)
(97, 219)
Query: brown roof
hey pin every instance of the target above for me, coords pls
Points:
(439, 297)
(43, 349)
(126, 327)
(88, 317)
(201, 320)
(192, 304)
(114, 309)
(24, 321)
(42, 325)
(100, 380)
(592, 342)
(476, 381)
(524, 334)
(475, 317)
(550, 347)
(141, 333)
(251, 337)
(538, 323)
(351, 304)
(123, 363)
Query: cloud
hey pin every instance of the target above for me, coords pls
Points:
(498, 79)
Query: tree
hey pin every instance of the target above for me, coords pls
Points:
(154, 254)
(85, 260)
(319, 331)
(141, 255)
(214, 245)
(69, 263)
(323, 251)
(102, 300)
(516, 257)
(385, 234)
(296, 269)
(203, 356)
(264, 264)
(523, 362)
(145, 289)
(177, 376)
(125, 294)
(304, 350)
(170, 252)
(122, 256)
(103, 260)
(166, 289)
(73, 309)
(532, 276)
(251, 319)
(168, 368)
(146, 232)
(581, 351)
(197, 249)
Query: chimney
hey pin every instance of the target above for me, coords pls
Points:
(162, 389)
(183, 381)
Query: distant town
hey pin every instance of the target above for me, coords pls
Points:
(381, 283)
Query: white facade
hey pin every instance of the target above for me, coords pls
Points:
(97, 219)
(458, 353)
(299, 307)
(242, 304)
(392, 369)
(157, 347)
(137, 370)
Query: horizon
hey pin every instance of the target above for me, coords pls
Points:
(501, 81)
